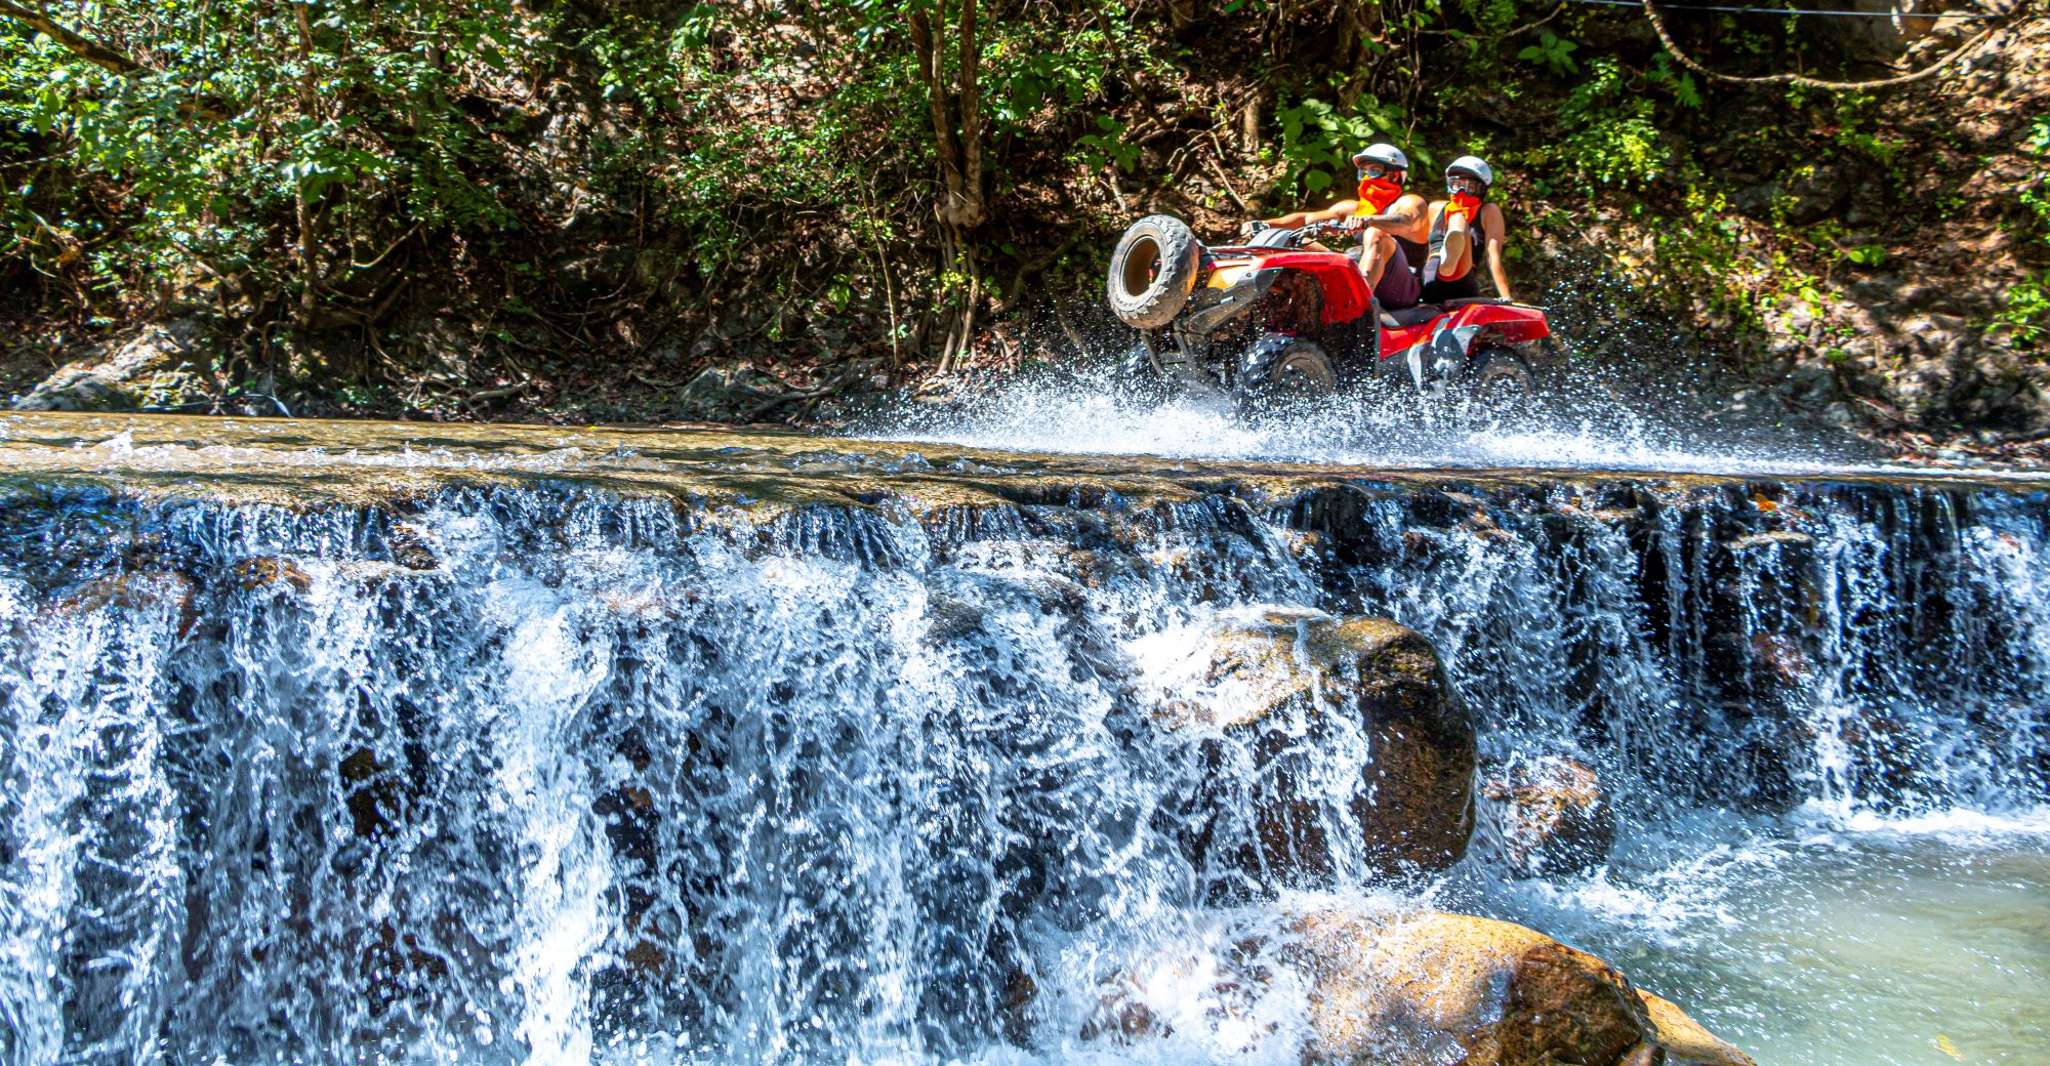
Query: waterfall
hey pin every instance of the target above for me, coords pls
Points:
(543, 772)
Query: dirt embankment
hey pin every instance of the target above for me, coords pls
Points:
(1875, 259)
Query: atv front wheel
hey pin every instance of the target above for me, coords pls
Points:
(1500, 380)
(1280, 371)
(1153, 271)
(1138, 378)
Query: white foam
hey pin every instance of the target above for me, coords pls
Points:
(1958, 824)
(1588, 434)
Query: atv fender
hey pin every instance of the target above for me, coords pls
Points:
(1346, 296)
(1229, 303)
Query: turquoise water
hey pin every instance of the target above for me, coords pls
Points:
(1922, 942)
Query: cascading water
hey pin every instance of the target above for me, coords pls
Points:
(525, 763)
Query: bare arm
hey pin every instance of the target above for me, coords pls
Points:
(1402, 214)
(1496, 238)
(1299, 219)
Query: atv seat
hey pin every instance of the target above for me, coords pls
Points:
(1410, 316)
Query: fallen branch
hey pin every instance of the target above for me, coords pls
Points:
(1074, 338)
(91, 51)
(488, 395)
(1217, 165)
(1658, 24)
(1110, 182)
(83, 47)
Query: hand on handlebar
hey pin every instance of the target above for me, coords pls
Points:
(1251, 227)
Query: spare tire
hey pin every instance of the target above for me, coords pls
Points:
(1153, 271)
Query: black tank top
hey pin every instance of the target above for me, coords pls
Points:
(1414, 251)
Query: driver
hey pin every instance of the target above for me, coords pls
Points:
(1456, 222)
(1382, 210)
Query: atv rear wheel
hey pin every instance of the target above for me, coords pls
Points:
(1279, 371)
(1153, 271)
(1500, 380)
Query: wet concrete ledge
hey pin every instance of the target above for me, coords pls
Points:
(309, 464)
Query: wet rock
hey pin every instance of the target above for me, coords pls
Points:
(703, 395)
(1813, 381)
(1288, 686)
(136, 592)
(1686, 1041)
(1435, 987)
(154, 370)
(1419, 989)
(373, 792)
(413, 547)
(265, 571)
(1885, 757)
(1770, 538)
(1555, 818)
(1783, 656)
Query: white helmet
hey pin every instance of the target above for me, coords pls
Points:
(1384, 153)
(1473, 165)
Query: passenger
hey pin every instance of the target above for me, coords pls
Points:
(1383, 262)
(1449, 272)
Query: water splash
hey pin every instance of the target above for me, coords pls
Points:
(1580, 427)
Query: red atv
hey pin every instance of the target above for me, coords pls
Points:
(1271, 321)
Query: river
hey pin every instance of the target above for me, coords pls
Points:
(425, 743)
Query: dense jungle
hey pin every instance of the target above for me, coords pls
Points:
(590, 211)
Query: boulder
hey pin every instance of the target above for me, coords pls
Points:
(1414, 989)
(153, 370)
(1554, 816)
(1289, 688)
(1443, 988)
(1685, 1041)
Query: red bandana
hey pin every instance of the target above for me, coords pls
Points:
(1379, 193)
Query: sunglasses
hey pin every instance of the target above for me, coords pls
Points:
(1377, 171)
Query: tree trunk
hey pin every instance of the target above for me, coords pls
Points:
(961, 206)
(309, 238)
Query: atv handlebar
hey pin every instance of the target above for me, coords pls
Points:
(1296, 236)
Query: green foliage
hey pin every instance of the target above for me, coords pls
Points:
(202, 159)
(2037, 141)
(1106, 147)
(1554, 53)
(1679, 83)
(1612, 136)
(2028, 309)
(1317, 140)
